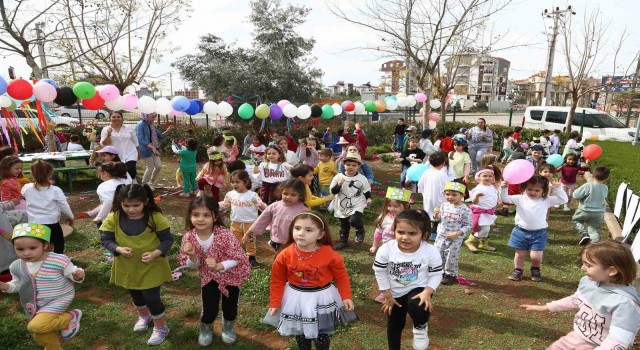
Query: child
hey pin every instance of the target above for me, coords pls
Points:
(365, 169)
(218, 145)
(568, 175)
(280, 213)
(352, 194)
(43, 281)
(303, 301)
(573, 146)
(257, 149)
(590, 213)
(399, 134)
(545, 142)
(244, 205)
(484, 198)
(213, 250)
(325, 170)
(446, 144)
(530, 233)
(516, 133)
(396, 202)
(425, 143)
(188, 166)
(536, 156)
(10, 187)
(112, 176)
(431, 185)
(247, 142)
(90, 134)
(273, 171)
(344, 145)
(232, 148)
(455, 222)
(555, 142)
(108, 154)
(240, 165)
(608, 304)
(139, 237)
(460, 161)
(411, 155)
(438, 141)
(410, 131)
(74, 144)
(507, 146)
(362, 141)
(547, 170)
(308, 154)
(45, 202)
(408, 271)
(290, 156)
(462, 134)
(213, 174)
(305, 173)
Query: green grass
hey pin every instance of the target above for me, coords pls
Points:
(624, 161)
(484, 316)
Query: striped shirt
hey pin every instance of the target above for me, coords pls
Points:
(54, 291)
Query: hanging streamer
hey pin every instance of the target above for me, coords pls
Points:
(27, 115)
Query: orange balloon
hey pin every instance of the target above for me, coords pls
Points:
(380, 106)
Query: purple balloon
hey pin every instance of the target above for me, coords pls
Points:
(275, 112)
(283, 103)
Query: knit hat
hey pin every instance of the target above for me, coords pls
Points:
(109, 149)
(460, 141)
(32, 230)
(398, 194)
(455, 186)
(354, 158)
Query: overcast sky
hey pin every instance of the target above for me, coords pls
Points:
(334, 37)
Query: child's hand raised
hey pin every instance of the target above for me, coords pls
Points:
(504, 184)
(555, 183)
(125, 251)
(188, 249)
(539, 308)
(341, 181)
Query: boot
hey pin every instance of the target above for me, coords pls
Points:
(484, 245)
(206, 334)
(344, 241)
(421, 338)
(472, 243)
(228, 334)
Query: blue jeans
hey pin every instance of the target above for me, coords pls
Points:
(399, 142)
(403, 175)
(522, 239)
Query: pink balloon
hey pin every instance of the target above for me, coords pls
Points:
(283, 103)
(420, 97)
(130, 101)
(518, 171)
(109, 92)
(524, 145)
(174, 112)
(434, 116)
(44, 91)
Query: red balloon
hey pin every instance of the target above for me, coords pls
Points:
(349, 106)
(20, 89)
(592, 152)
(94, 103)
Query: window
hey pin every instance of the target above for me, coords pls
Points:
(597, 120)
(556, 117)
(536, 115)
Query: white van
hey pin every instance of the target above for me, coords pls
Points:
(596, 122)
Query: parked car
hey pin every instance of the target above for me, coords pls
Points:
(72, 111)
(60, 121)
(596, 122)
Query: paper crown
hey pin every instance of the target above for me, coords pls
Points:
(215, 156)
(455, 186)
(398, 194)
(32, 230)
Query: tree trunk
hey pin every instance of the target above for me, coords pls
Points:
(572, 112)
(31, 61)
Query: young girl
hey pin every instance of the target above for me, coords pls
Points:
(218, 145)
(455, 221)
(408, 271)
(45, 203)
(395, 203)
(573, 145)
(43, 281)
(608, 304)
(303, 301)
(547, 170)
(10, 169)
(222, 265)
(305, 173)
(273, 171)
(257, 149)
(568, 175)
(213, 174)
(460, 161)
(232, 148)
(109, 154)
(139, 237)
(290, 156)
(484, 198)
(308, 154)
(530, 233)
(112, 176)
(507, 146)
(280, 213)
(555, 142)
(244, 205)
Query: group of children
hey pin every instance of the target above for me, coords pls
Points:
(310, 293)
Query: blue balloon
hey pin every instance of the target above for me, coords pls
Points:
(180, 103)
(556, 160)
(200, 105)
(414, 173)
(3, 86)
(50, 81)
(389, 98)
(193, 107)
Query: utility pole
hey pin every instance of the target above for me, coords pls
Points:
(43, 58)
(634, 85)
(171, 83)
(556, 14)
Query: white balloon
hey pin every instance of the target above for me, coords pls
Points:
(225, 109)
(210, 107)
(163, 106)
(115, 105)
(402, 101)
(359, 107)
(147, 104)
(435, 104)
(304, 112)
(337, 109)
(586, 135)
(290, 110)
(400, 94)
(5, 101)
(432, 124)
(411, 101)
(392, 104)
(602, 137)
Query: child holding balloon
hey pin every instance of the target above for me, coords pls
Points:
(569, 173)
(408, 157)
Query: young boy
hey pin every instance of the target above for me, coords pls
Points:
(399, 134)
(352, 194)
(589, 216)
(555, 142)
(74, 144)
(326, 170)
(410, 131)
(545, 142)
(188, 166)
(446, 144)
(410, 156)
(536, 156)
(304, 173)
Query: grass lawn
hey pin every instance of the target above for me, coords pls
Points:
(482, 316)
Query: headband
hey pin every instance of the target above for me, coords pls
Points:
(312, 214)
(482, 172)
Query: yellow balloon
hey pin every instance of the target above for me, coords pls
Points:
(262, 112)
(380, 106)
(401, 94)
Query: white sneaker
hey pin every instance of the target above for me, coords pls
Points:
(421, 338)
(566, 208)
(557, 206)
(184, 194)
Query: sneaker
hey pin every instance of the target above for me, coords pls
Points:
(184, 194)
(359, 238)
(566, 208)
(421, 338)
(448, 279)
(536, 276)
(253, 262)
(557, 206)
(380, 298)
(158, 336)
(584, 240)
(142, 324)
(74, 325)
(341, 245)
(516, 275)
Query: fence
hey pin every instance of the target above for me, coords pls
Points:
(627, 207)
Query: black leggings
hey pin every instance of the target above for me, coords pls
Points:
(57, 238)
(149, 298)
(398, 317)
(131, 168)
(354, 220)
(322, 342)
(211, 299)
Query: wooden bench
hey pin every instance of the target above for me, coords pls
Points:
(68, 172)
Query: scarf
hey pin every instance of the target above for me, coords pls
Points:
(475, 215)
(146, 117)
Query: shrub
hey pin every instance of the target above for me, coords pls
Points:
(389, 158)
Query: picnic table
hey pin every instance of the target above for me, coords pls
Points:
(58, 161)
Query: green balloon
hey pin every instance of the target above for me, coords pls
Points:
(369, 106)
(262, 112)
(12, 107)
(327, 112)
(245, 111)
(84, 90)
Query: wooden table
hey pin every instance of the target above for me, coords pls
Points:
(57, 160)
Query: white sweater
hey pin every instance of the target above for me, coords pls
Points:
(531, 214)
(44, 205)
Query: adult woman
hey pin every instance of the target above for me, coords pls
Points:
(149, 147)
(124, 139)
(480, 142)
